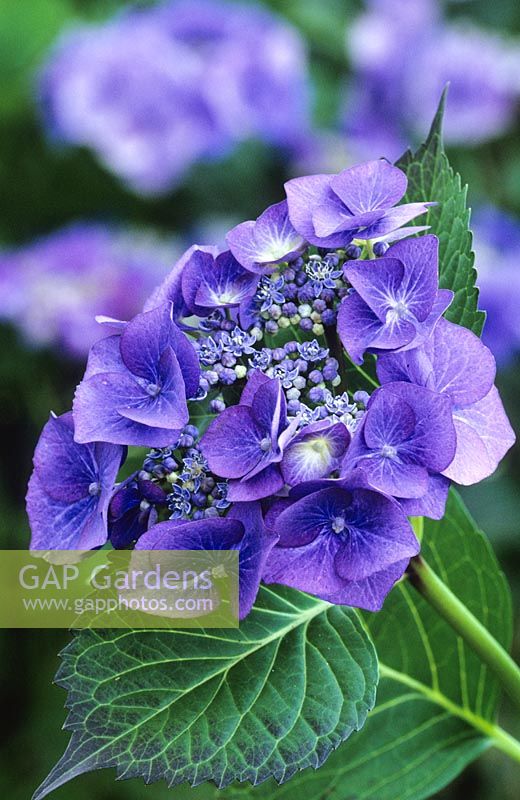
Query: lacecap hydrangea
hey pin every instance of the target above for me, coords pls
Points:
(335, 398)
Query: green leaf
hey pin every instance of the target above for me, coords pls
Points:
(430, 177)
(436, 701)
(200, 415)
(270, 698)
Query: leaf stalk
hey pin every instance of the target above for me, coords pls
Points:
(466, 625)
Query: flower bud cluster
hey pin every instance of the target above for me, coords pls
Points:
(304, 294)
(305, 370)
(192, 491)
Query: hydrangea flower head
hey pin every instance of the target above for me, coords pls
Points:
(263, 437)
(70, 488)
(53, 288)
(358, 203)
(402, 56)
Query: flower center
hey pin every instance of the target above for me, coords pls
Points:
(153, 389)
(388, 451)
(94, 489)
(397, 311)
(265, 444)
(339, 524)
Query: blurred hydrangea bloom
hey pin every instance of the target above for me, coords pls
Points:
(154, 90)
(497, 249)
(402, 56)
(53, 288)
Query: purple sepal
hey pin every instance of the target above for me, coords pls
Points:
(170, 290)
(220, 282)
(243, 530)
(246, 442)
(70, 488)
(265, 483)
(484, 435)
(455, 363)
(347, 546)
(406, 434)
(316, 451)
(331, 210)
(136, 385)
(396, 303)
(260, 245)
(132, 510)
(432, 504)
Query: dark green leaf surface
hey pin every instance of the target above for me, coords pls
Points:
(430, 177)
(436, 700)
(271, 698)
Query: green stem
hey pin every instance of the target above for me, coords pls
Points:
(463, 622)
(337, 352)
(370, 249)
(365, 375)
(500, 738)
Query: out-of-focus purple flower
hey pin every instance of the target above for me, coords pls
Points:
(402, 55)
(243, 530)
(255, 66)
(130, 92)
(396, 302)
(345, 545)
(70, 488)
(208, 283)
(260, 245)
(497, 249)
(246, 442)
(156, 89)
(133, 509)
(136, 385)
(315, 452)
(406, 436)
(454, 362)
(53, 288)
(331, 210)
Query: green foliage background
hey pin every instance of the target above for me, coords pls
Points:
(42, 188)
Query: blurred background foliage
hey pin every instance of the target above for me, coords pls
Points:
(44, 187)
